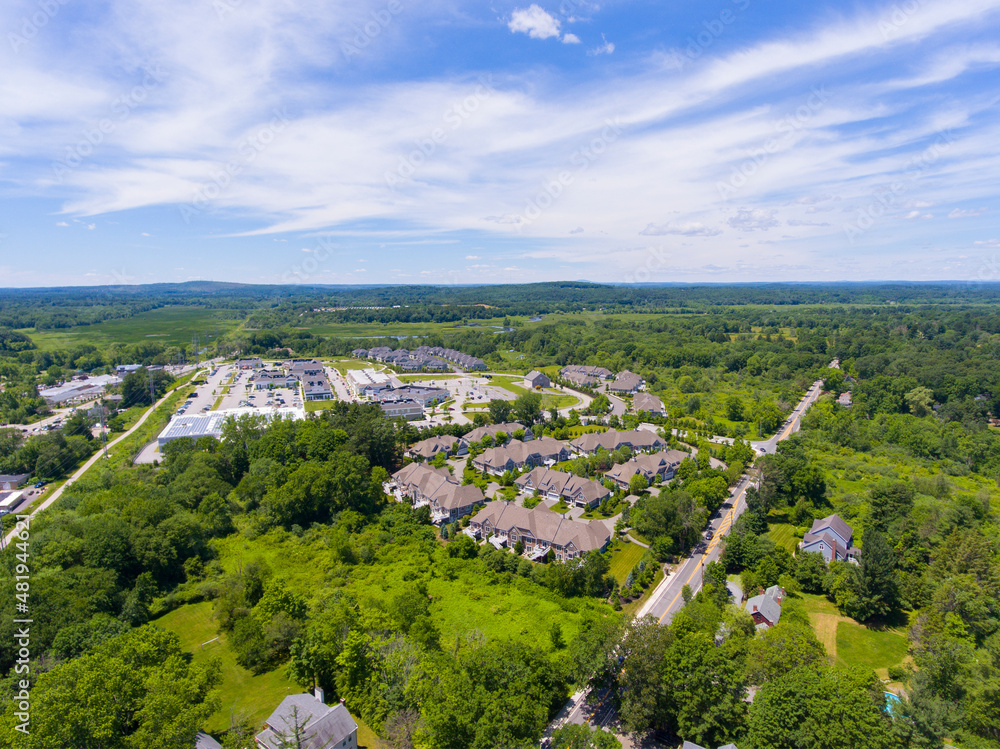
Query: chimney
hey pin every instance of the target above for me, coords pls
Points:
(754, 609)
(318, 693)
(343, 702)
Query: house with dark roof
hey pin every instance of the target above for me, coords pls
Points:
(561, 485)
(516, 455)
(535, 379)
(765, 608)
(625, 382)
(423, 485)
(306, 722)
(663, 464)
(445, 443)
(831, 537)
(538, 530)
(648, 403)
(584, 376)
(637, 440)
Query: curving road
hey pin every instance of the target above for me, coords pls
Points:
(86, 466)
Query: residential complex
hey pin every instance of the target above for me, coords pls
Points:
(663, 464)
(507, 428)
(626, 382)
(561, 485)
(437, 488)
(648, 403)
(584, 376)
(516, 455)
(538, 530)
(637, 440)
(429, 448)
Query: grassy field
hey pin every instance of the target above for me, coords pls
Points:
(623, 557)
(240, 690)
(343, 365)
(877, 649)
(511, 383)
(311, 406)
(427, 377)
(174, 326)
(392, 329)
(851, 644)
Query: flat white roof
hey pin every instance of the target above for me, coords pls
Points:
(209, 424)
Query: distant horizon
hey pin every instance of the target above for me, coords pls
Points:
(608, 284)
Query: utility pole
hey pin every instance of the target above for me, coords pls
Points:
(152, 389)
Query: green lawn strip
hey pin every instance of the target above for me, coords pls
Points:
(560, 507)
(343, 365)
(218, 402)
(319, 405)
(558, 400)
(783, 534)
(427, 377)
(623, 557)
(507, 383)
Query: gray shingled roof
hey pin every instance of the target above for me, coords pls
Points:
(768, 604)
(322, 725)
(834, 523)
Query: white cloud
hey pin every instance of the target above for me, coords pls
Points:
(751, 219)
(533, 21)
(61, 223)
(987, 243)
(800, 222)
(146, 234)
(966, 213)
(686, 229)
(605, 49)
(473, 257)
(570, 39)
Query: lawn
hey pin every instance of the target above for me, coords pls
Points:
(319, 405)
(783, 534)
(173, 326)
(427, 377)
(343, 365)
(623, 557)
(877, 649)
(240, 689)
(550, 399)
(851, 644)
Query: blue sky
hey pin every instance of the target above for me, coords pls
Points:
(390, 141)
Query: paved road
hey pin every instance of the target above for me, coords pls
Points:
(666, 600)
(86, 466)
(792, 423)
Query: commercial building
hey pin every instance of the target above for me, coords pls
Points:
(425, 396)
(82, 389)
(268, 379)
(12, 481)
(195, 426)
(402, 409)
(365, 382)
